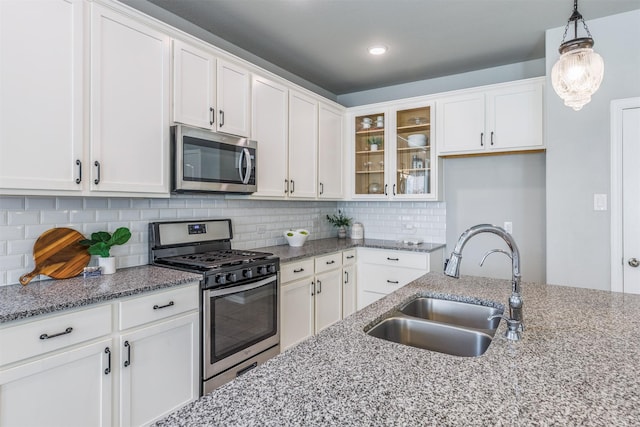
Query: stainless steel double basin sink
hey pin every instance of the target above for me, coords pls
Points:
(446, 326)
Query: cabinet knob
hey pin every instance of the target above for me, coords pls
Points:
(633, 262)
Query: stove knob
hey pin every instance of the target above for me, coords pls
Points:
(248, 273)
(262, 269)
(231, 277)
(271, 268)
(221, 279)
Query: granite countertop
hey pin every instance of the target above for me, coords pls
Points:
(48, 296)
(312, 248)
(576, 365)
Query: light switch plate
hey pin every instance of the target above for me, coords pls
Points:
(599, 202)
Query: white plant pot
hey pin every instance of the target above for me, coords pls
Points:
(373, 147)
(108, 265)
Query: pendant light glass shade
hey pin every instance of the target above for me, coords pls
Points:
(578, 72)
(577, 75)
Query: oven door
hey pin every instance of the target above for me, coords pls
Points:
(239, 322)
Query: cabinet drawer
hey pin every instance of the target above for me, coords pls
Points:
(53, 333)
(296, 270)
(158, 305)
(394, 258)
(328, 262)
(382, 279)
(349, 257)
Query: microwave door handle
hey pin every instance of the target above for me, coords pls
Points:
(247, 175)
(240, 163)
(236, 289)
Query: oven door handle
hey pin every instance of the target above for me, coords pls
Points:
(236, 289)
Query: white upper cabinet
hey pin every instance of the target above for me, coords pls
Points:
(234, 89)
(330, 152)
(41, 95)
(500, 118)
(194, 86)
(303, 142)
(269, 126)
(129, 104)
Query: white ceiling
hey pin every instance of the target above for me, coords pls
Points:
(325, 41)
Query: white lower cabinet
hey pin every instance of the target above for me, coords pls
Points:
(381, 271)
(311, 297)
(157, 369)
(349, 281)
(78, 369)
(70, 388)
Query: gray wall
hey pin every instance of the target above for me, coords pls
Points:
(492, 190)
(504, 73)
(578, 156)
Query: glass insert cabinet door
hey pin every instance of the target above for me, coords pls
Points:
(369, 154)
(413, 151)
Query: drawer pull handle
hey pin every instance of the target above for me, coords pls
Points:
(47, 336)
(158, 307)
(319, 283)
(331, 262)
(247, 369)
(313, 289)
(108, 353)
(393, 259)
(299, 270)
(350, 256)
(393, 282)
(128, 361)
(346, 277)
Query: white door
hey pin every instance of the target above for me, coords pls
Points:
(159, 370)
(303, 141)
(631, 199)
(269, 118)
(330, 164)
(41, 82)
(328, 299)
(129, 105)
(194, 86)
(233, 93)
(467, 109)
(296, 318)
(625, 195)
(72, 388)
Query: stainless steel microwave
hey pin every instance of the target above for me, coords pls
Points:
(205, 161)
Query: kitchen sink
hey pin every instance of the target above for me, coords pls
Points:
(451, 327)
(453, 312)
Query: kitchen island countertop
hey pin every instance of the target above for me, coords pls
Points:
(577, 364)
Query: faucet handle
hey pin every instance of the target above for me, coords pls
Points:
(513, 332)
(493, 251)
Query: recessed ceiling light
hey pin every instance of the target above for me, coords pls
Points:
(377, 50)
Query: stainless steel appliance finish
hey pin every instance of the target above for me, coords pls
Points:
(240, 310)
(205, 161)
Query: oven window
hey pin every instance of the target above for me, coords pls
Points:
(243, 319)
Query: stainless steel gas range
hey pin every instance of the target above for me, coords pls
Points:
(240, 307)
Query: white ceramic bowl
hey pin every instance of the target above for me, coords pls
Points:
(296, 238)
(417, 140)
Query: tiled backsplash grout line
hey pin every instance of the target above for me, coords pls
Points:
(256, 223)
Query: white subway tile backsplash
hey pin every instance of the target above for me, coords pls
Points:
(23, 217)
(12, 232)
(11, 203)
(256, 223)
(69, 203)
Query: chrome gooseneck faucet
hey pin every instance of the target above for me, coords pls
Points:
(515, 321)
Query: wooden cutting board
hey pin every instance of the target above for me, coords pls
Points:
(58, 254)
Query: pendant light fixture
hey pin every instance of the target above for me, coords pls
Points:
(578, 72)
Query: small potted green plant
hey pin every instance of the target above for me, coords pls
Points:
(100, 244)
(340, 221)
(374, 142)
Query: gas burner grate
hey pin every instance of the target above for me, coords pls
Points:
(216, 259)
